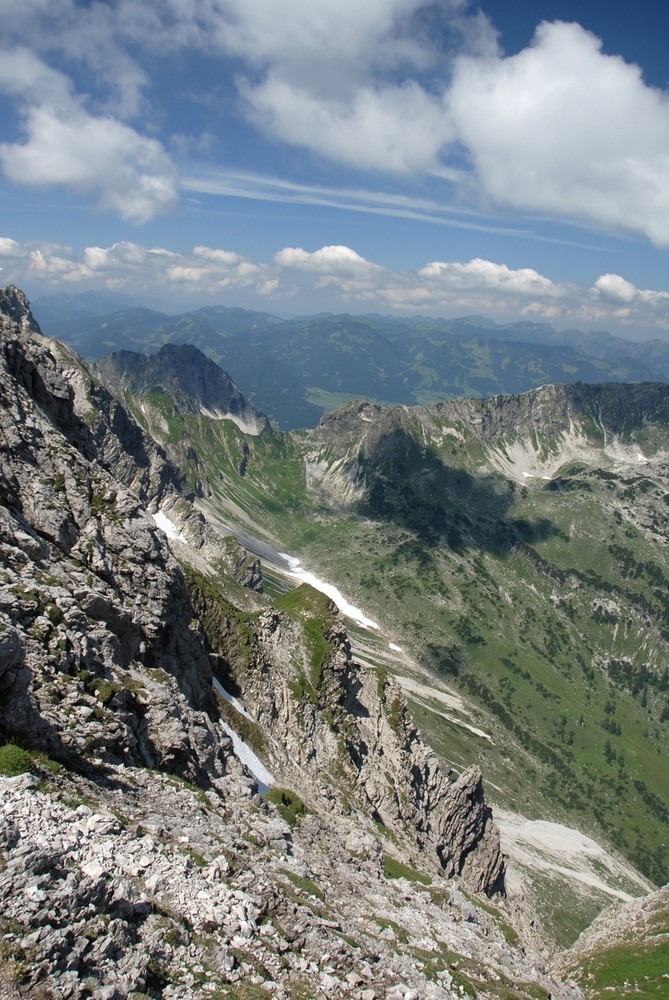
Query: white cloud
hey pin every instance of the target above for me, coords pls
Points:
(302, 35)
(337, 267)
(563, 128)
(131, 174)
(90, 35)
(403, 87)
(204, 272)
(328, 260)
(337, 277)
(339, 77)
(615, 289)
(612, 288)
(65, 145)
(9, 247)
(485, 274)
(396, 129)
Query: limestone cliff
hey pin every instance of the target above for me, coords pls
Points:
(138, 858)
(100, 656)
(341, 733)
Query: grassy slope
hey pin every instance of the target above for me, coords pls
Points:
(628, 956)
(557, 633)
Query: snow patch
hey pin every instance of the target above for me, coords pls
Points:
(167, 527)
(642, 458)
(246, 426)
(231, 699)
(355, 614)
(245, 754)
(394, 647)
(242, 750)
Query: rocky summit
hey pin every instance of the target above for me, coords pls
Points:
(150, 692)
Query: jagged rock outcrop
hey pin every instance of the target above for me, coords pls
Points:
(100, 656)
(339, 731)
(138, 858)
(86, 414)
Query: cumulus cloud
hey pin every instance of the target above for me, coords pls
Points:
(9, 247)
(405, 87)
(340, 77)
(615, 289)
(612, 288)
(563, 128)
(328, 260)
(397, 129)
(337, 267)
(131, 174)
(65, 145)
(486, 274)
(89, 35)
(337, 277)
(204, 272)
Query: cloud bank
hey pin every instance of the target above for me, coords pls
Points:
(338, 278)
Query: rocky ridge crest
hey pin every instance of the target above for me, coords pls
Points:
(106, 685)
(338, 732)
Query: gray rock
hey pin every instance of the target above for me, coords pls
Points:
(174, 876)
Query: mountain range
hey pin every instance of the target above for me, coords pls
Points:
(215, 785)
(294, 370)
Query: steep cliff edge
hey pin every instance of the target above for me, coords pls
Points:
(100, 658)
(137, 857)
(341, 734)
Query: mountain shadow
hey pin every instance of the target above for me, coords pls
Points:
(410, 485)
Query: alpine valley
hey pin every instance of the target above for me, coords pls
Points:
(218, 782)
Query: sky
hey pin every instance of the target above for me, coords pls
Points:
(401, 157)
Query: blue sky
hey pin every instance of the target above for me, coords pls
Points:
(395, 156)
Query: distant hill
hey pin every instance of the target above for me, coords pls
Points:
(296, 370)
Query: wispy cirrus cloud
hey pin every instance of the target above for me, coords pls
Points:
(401, 88)
(261, 187)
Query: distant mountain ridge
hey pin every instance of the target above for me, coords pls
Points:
(298, 369)
(189, 377)
(516, 545)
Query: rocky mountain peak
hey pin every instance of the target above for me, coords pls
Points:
(15, 309)
(192, 381)
(138, 857)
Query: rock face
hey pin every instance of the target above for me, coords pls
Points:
(137, 858)
(339, 732)
(189, 377)
(99, 656)
(538, 431)
(141, 886)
